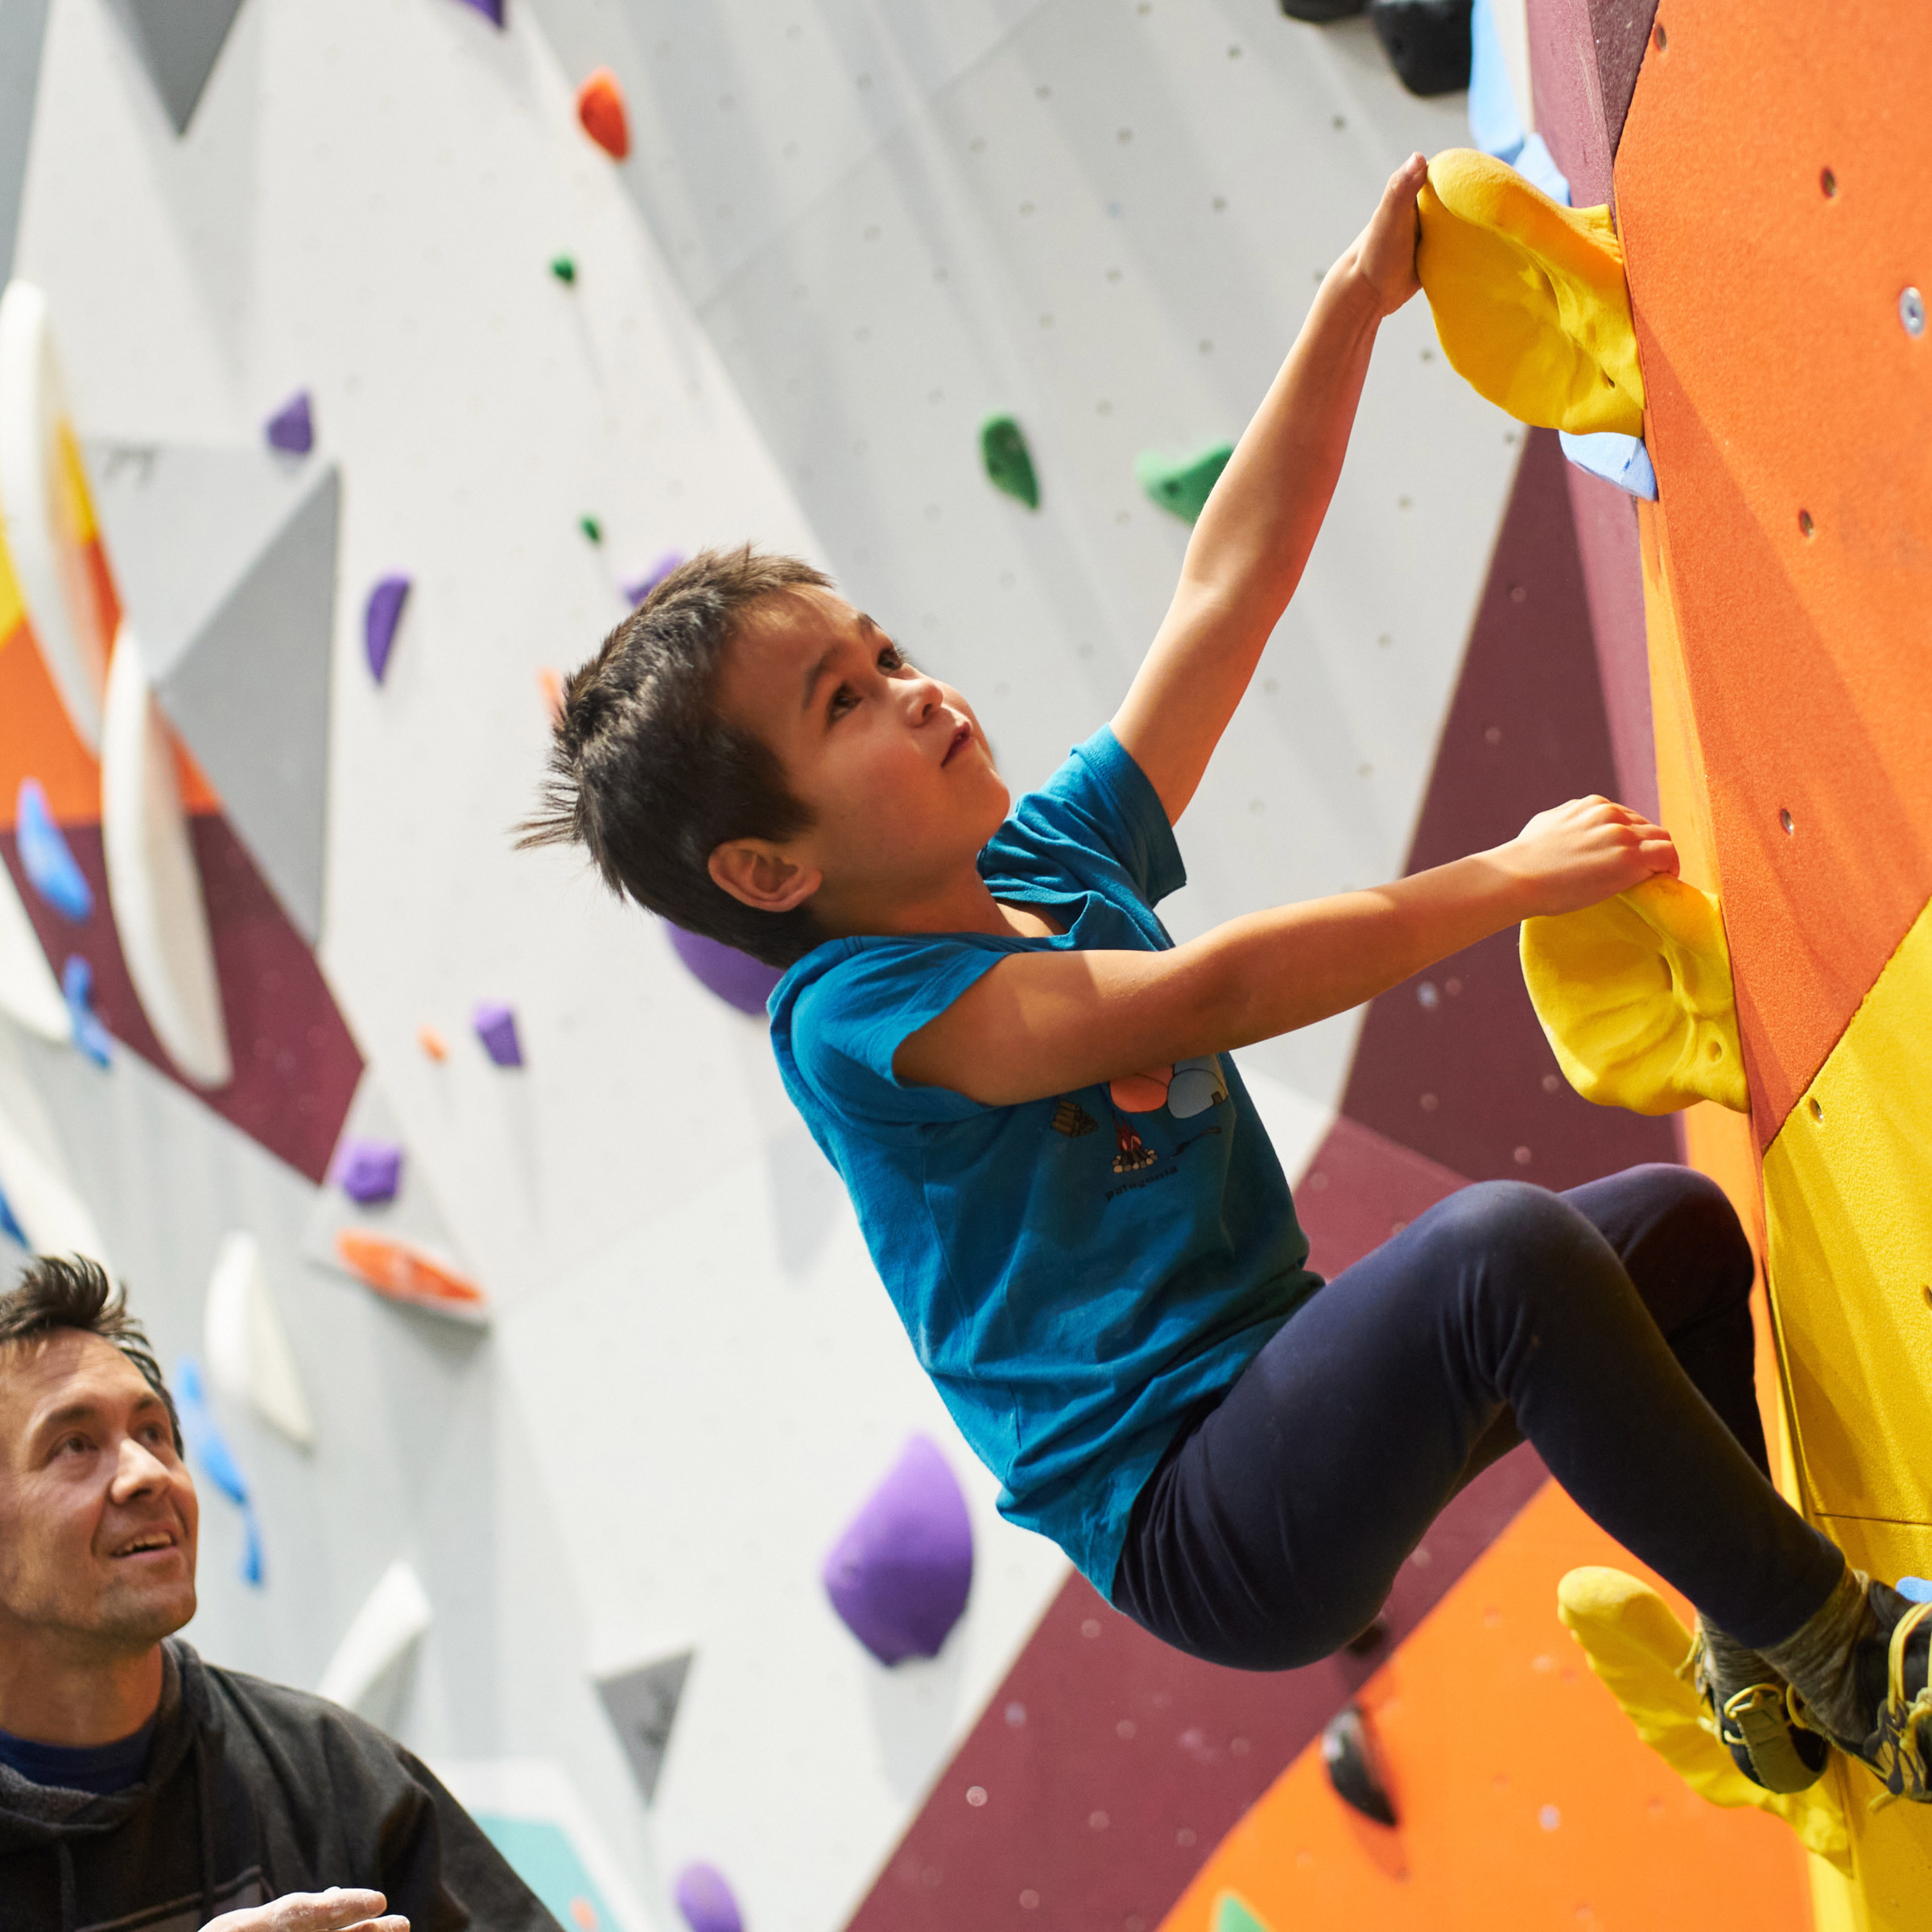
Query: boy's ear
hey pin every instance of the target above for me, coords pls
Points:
(756, 872)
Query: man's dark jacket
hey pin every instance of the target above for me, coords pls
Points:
(253, 1790)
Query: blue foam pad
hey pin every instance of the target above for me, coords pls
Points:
(1495, 125)
(1620, 459)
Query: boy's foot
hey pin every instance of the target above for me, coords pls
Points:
(1750, 1710)
(1894, 1667)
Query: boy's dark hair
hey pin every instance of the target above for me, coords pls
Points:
(69, 1291)
(650, 779)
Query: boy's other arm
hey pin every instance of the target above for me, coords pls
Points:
(1044, 1023)
(1260, 521)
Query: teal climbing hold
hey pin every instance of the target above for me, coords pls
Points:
(1183, 486)
(563, 269)
(591, 528)
(1232, 1914)
(1008, 461)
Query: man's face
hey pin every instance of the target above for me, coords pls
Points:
(97, 1512)
(892, 763)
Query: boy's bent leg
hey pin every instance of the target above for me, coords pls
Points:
(1274, 1532)
(1680, 1241)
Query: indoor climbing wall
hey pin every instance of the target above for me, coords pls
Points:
(359, 366)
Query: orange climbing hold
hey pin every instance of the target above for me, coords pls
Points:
(600, 108)
(406, 1273)
(432, 1042)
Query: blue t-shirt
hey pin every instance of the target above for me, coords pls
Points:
(1074, 1273)
(98, 1768)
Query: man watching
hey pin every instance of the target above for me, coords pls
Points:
(139, 1787)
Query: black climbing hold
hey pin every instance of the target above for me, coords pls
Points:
(1349, 1756)
(1427, 41)
(1182, 486)
(1008, 462)
(1320, 10)
(1368, 1640)
(563, 269)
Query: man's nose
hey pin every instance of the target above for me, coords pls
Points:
(138, 1468)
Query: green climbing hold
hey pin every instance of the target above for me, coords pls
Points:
(1008, 462)
(564, 269)
(1182, 487)
(591, 528)
(1232, 1914)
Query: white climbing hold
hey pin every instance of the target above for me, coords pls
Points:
(152, 880)
(29, 992)
(249, 1354)
(45, 511)
(379, 1640)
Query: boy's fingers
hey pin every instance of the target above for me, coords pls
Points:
(334, 1910)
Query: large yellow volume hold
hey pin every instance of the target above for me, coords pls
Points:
(1634, 997)
(1638, 1648)
(1529, 298)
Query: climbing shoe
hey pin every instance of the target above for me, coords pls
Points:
(1760, 1724)
(1892, 1674)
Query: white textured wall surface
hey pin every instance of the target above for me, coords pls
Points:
(846, 233)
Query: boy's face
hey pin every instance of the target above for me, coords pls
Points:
(891, 763)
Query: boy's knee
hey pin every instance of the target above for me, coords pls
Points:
(1504, 1217)
(1695, 1217)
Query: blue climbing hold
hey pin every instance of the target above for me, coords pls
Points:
(77, 989)
(10, 1225)
(292, 428)
(47, 858)
(706, 1901)
(1620, 459)
(210, 1447)
(900, 1576)
(1914, 1589)
(383, 613)
(496, 1025)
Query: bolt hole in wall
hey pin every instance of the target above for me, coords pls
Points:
(1816, 1111)
(1805, 527)
(1785, 819)
(1659, 39)
(1828, 182)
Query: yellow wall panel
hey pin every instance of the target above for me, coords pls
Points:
(1848, 1201)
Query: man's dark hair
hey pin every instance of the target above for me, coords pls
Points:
(69, 1291)
(647, 775)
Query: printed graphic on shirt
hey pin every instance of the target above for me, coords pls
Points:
(1184, 1090)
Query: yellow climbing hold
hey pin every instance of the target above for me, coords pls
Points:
(1531, 303)
(1634, 997)
(1637, 1647)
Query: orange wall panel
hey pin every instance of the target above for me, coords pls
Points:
(1784, 395)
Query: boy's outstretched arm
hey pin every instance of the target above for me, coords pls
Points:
(1255, 534)
(1044, 1023)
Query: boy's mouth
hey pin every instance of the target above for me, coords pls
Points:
(960, 737)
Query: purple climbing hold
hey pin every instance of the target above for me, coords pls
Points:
(291, 427)
(735, 978)
(370, 1171)
(637, 592)
(382, 613)
(899, 1575)
(491, 10)
(496, 1025)
(706, 1902)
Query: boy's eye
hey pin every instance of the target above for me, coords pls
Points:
(842, 700)
(889, 658)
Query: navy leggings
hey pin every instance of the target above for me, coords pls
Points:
(1610, 1326)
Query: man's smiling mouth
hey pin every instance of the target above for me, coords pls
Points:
(150, 1539)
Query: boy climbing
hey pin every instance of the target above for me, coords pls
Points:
(1026, 1087)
